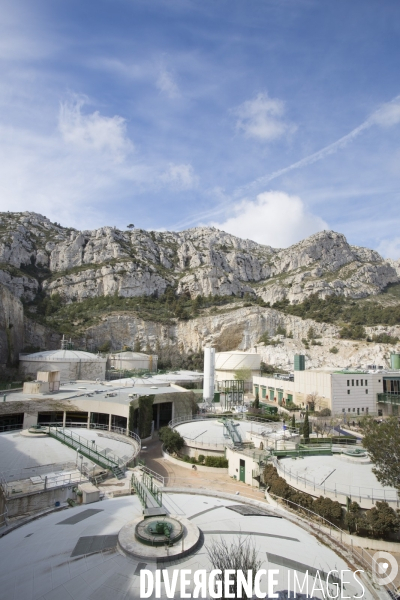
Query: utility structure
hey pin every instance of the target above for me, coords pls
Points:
(209, 374)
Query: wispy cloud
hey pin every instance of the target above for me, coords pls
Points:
(180, 176)
(386, 116)
(273, 218)
(262, 118)
(166, 83)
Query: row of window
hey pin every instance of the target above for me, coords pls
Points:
(354, 410)
(366, 390)
(358, 382)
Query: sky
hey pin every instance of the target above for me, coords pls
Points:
(269, 119)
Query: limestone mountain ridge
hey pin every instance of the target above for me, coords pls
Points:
(37, 255)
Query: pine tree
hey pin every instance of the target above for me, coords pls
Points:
(293, 421)
(256, 404)
(306, 428)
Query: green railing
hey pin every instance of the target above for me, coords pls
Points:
(232, 431)
(144, 488)
(389, 398)
(148, 482)
(140, 490)
(82, 445)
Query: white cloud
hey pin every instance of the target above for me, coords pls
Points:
(93, 131)
(390, 248)
(274, 218)
(180, 177)
(262, 118)
(166, 83)
(388, 115)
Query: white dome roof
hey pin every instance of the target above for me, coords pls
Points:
(63, 356)
(128, 355)
(229, 361)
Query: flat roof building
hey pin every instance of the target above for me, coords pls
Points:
(354, 392)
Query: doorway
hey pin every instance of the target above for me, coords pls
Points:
(242, 471)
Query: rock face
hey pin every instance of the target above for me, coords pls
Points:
(11, 327)
(39, 256)
(242, 329)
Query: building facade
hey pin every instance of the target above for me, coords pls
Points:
(356, 393)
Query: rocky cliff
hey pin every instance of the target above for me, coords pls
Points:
(40, 259)
(37, 256)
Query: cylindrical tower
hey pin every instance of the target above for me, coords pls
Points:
(209, 370)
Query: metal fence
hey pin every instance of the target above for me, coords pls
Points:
(353, 492)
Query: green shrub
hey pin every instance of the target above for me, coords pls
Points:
(201, 458)
(333, 350)
(172, 440)
(216, 461)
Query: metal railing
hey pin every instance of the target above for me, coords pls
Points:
(44, 479)
(316, 521)
(140, 490)
(148, 483)
(86, 447)
(353, 492)
(155, 475)
(15, 427)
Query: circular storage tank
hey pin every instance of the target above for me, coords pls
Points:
(226, 363)
(72, 364)
(133, 361)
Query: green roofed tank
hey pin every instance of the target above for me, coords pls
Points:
(395, 361)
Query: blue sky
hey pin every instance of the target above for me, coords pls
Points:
(271, 119)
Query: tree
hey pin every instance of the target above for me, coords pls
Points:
(240, 555)
(130, 226)
(172, 439)
(256, 403)
(354, 519)
(306, 428)
(311, 333)
(382, 520)
(293, 424)
(382, 442)
(242, 374)
(313, 400)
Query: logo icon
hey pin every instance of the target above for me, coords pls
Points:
(384, 568)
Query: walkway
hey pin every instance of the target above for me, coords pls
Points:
(176, 476)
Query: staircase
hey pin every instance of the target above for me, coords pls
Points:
(149, 495)
(118, 473)
(233, 432)
(87, 449)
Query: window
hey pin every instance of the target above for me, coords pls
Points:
(366, 390)
(348, 391)
(354, 410)
(352, 382)
(357, 382)
(362, 382)
(348, 382)
(349, 409)
(366, 382)
(343, 410)
(362, 410)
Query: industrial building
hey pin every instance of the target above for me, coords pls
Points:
(372, 391)
(94, 404)
(228, 363)
(133, 361)
(72, 364)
